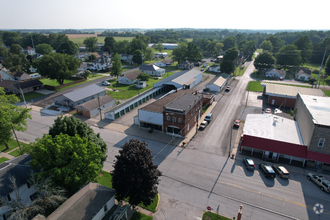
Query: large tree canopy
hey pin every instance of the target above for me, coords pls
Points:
(73, 126)
(266, 45)
(44, 49)
(58, 66)
(249, 48)
(304, 44)
(137, 57)
(135, 175)
(288, 57)
(71, 161)
(16, 49)
(264, 60)
(277, 43)
(188, 51)
(90, 43)
(17, 63)
(229, 42)
(68, 47)
(116, 66)
(109, 42)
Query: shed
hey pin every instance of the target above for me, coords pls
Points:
(91, 108)
(218, 83)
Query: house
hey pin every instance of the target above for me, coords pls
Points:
(5, 84)
(218, 83)
(160, 55)
(164, 63)
(19, 169)
(141, 84)
(128, 79)
(219, 58)
(32, 69)
(91, 108)
(303, 74)
(29, 51)
(175, 113)
(101, 64)
(82, 55)
(275, 73)
(91, 202)
(152, 70)
(127, 58)
(273, 138)
(215, 68)
(198, 63)
(26, 87)
(286, 96)
(313, 118)
(169, 46)
(5, 75)
(94, 53)
(186, 65)
(80, 96)
(20, 76)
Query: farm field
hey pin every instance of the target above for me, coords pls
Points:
(79, 38)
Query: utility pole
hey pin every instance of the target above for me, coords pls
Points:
(318, 76)
(98, 98)
(23, 96)
(32, 41)
(16, 137)
(141, 51)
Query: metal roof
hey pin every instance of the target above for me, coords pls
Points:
(319, 108)
(187, 76)
(83, 93)
(290, 91)
(220, 80)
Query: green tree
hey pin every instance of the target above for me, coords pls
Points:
(143, 77)
(229, 42)
(58, 66)
(137, 57)
(86, 74)
(159, 47)
(3, 51)
(249, 49)
(327, 66)
(91, 57)
(148, 54)
(218, 48)
(73, 126)
(72, 161)
(44, 49)
(304, 44)
(135, 45)
(193, 52)
(116, 66)
(68, 47)
(17, 63)
(16, 49)
(11, 117)
(264, 60)
(227, 66)
(110, 42)
(277, 43)
(180, 52)
(266, 45)
(319, 49)
(231, 54)
(288, 57)
(135, 176)
(121, 47)
(90, 44)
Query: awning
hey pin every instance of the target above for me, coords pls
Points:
(325, 158)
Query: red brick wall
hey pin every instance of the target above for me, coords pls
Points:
(280, 101)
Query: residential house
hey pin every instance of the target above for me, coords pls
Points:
(128, 79)
(17, 169)
(152, 70)
(5, 75)
(91, 202)
(5, 84)
(94, 53)
(82, 56)
(26, 87)
(126, 58)
(20, 76)
(218, 83)
(186, 65)
(198, 63)
(91, 108)
(80, 96)
(275, 73)
(99, 46)
(141, 84)
(164, 63)
(29, 50)
(32, 69)
(215, 68)
(102, 63)
(160, 55)
(303, 74)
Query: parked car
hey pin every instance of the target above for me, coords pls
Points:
(249, 164)
(208, 117)
(202, 69)
(268, 111)
(281, 78)
(322, 182)
(227, 88)
(106, 83)
(281, 171)
(203, 125)
(236, 123)
(267, 170)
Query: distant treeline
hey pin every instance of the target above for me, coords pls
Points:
(118, 34)
(72, 31)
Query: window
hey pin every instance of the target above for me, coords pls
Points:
(105, 208)
(28, 184)
(174, 119)
(180, 120)
(168, 118)
(321, 142)
(9, 198)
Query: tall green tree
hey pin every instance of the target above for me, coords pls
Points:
(264, 60)
(266, 45)
(288, 57)
(137, 57)
(109, 42)
(180, 52)
(17, 63)
(319, 49)
(3, 51)
(11, 117)
(72, 161)
(304, 44)
(231, 54)
(227, 66)
(68, 47)
(116, 66)
(135, 175)
(90, 44)
(16, 49)
(249, 48)
(122, 47)
(193, 52)
(44, 49)
(58, 66)
(148, 54)
(229, 42)
(277, 43)
(159, 47)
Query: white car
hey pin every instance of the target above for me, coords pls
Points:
(106, 83)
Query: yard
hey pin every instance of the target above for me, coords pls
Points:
(257, 75)
(213, 216)
(128, 91)
(50, 82)
(240, 71)
(79, 38)
(30, 95)
(254, 86)
(3, 159)
(12, 145)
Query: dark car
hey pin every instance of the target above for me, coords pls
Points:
(281, 171)
(227, 88)
(249, 164)
(236, 123)
(267, 170)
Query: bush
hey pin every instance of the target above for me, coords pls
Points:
(143, 77)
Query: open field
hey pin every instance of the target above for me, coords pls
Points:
(79, 38)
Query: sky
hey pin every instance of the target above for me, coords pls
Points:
(150, 14)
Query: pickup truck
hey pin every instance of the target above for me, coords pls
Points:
(322, 182)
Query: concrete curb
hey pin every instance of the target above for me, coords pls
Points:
(157, 203)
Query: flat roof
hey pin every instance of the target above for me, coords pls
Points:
(187, 77)
(220, 80)
(319, 108)
(272, 127)
(184, 102)
(83, 93)
(290, 91)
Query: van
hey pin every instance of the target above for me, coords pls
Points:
(208, 117)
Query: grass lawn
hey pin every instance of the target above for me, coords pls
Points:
(255, 86)
(240, 71)
(15, 153)
(31, 95)
(259, 76)
(106, 180)
(214, 216)
(12, 144)
(140, 216)
(3, 159)
(151, 61)
(312, 66)
(189, 39)
(327, 92)
(292, 85)
(47, 81)
(129, 91)
(173, 67)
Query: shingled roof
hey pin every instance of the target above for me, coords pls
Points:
(94, 103)
(27, 84)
